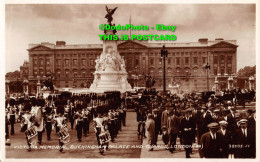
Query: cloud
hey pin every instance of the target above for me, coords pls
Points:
(78, 24)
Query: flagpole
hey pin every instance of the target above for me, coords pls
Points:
(130, 26)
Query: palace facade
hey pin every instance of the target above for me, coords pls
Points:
(74, 65)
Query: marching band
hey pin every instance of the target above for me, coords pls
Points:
(39, 116)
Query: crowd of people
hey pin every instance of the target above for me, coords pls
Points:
(221, 130)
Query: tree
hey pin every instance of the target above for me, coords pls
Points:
(247, 71)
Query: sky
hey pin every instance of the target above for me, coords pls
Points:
(78, 24)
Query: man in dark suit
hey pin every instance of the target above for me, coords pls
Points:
(187, 128)
(251, 120)
(206, 119)
(71, 114)
(211, 143)
(227, 138)
(244, 141)
(157, 121)
(173, 124)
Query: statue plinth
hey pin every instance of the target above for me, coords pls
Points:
(110, 74)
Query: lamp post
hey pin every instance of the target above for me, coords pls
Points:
(164, 54)
(207, 67)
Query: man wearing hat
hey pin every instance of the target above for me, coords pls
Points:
(216, 115)
(27, 122)
(12, 115)
(187, 128)
(71, 114)
(211, 143)
(79, 121)
(165, 115)
(49, 120)
(251, 120)
(244, 141)
(141, 118)
(206, 119)
(150, 127)
(157, 121)
(227, 138)
(61, 121)
(173, 124)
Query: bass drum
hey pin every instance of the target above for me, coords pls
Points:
(38, 117)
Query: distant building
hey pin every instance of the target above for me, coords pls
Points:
(73, 65)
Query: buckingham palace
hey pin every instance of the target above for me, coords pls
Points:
(73, 65)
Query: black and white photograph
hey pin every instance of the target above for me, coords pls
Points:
(130, 80)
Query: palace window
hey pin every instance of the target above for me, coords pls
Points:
(160, 73)
(160, 61)
(178, 61)
(195, 60)
(222, 71)
(66, 62)
(91, 62)
(222, 59)
(83, 62)
(75, 62)
(83, 74)
(169, 61)
(58, 73)
(58, 62)
(136, 62)
(215, 71)
(229, 61)
(204, 60)
(35, 62)
(67, 73)
(215, 60)
(151, 61)
(75, 74)
(47, 62)
(229, 71)
(186, 60)
(41, 62)
(129, 63)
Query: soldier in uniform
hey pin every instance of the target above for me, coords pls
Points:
(61, 122)
(6, 126)
(211, 143)
(71, 114)
(124, 116)
(79, 122)
(12, 115)
(49, 121)
(98, 125)
(111, 125)
(187, 128)
(28, 121)
(86, 117)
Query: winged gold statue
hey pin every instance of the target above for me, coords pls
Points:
(109, 14)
